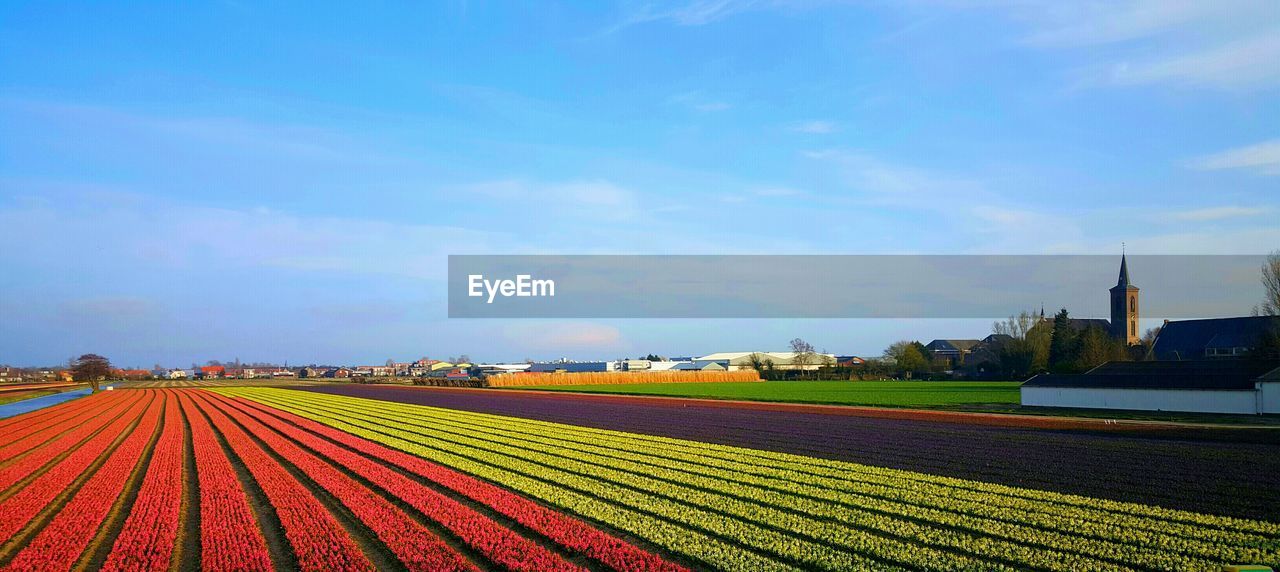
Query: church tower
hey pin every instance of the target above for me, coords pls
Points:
(1124, 307)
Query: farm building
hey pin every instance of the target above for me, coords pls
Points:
(573, 366)
(737, 361)
(951, 349)
(1204, 386)
(487, 369)
(211, 372)
(1212, 338)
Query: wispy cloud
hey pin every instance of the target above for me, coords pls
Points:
(1214, 213)
(1195, 43)
(565, 336)
(597, 198)
(1077, 24)
(1246, 63)
(698, 101)
(886, 183)
(695, 13)
(1262, 158)
(778, 192)
(815, 127)
(231, 134)
(703, 12)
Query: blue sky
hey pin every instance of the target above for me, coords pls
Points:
(183, 183)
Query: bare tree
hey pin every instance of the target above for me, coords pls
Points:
(804, 354)
(1149, 336)
(91, 368)
(1016, 327)
(1271, 286)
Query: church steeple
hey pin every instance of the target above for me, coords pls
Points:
(1124, 306)
(1123, 282)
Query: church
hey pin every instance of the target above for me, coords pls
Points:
(1124, 311)
(1203, 366)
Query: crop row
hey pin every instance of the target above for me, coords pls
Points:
(317, 538)
(110, 488)
(23, 438)
(791, 535)
(498, 543)
(38, 459)
(34, 497)
(1086, 508)
(61, 542)
(1235, 479)
(229, 535)
(879, 520)
(149, 536)
(571, 533)
(1136, 540)
(703, 534)
(415, 545)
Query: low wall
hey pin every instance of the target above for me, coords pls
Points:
(1269, 397)
(619, 378)
(1188, 400)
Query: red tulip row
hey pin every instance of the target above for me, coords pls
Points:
(413, 543)
(24, 428)
(43, 414)
(36, 495)
(562, 529)
(61, 542)
(147, 540)
(371, 482)
(229, 534)
(498, 543)
(19, 440)
(21, 468)
(317, 538)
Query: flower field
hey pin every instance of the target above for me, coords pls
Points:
(238, 478)
(167, 479)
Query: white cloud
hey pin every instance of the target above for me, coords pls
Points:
(1198, 43)
(564, 336)
(1245, 63)
(691, 13)
(1075, 24)
(1216, 213)
(778, 192)
(120, 231)
(698, 101)
(816, 127)
(596, 198)
(889, 184)
(1262, 157)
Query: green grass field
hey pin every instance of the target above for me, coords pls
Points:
(873, 393)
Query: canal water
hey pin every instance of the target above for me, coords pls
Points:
(20, 407)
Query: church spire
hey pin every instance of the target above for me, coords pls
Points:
(1123, 281)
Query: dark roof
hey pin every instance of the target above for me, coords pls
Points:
(1078, 324)
(997, 339)
(1086, 323)
(1187, 339)
(957, 345)
(1190, 374)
